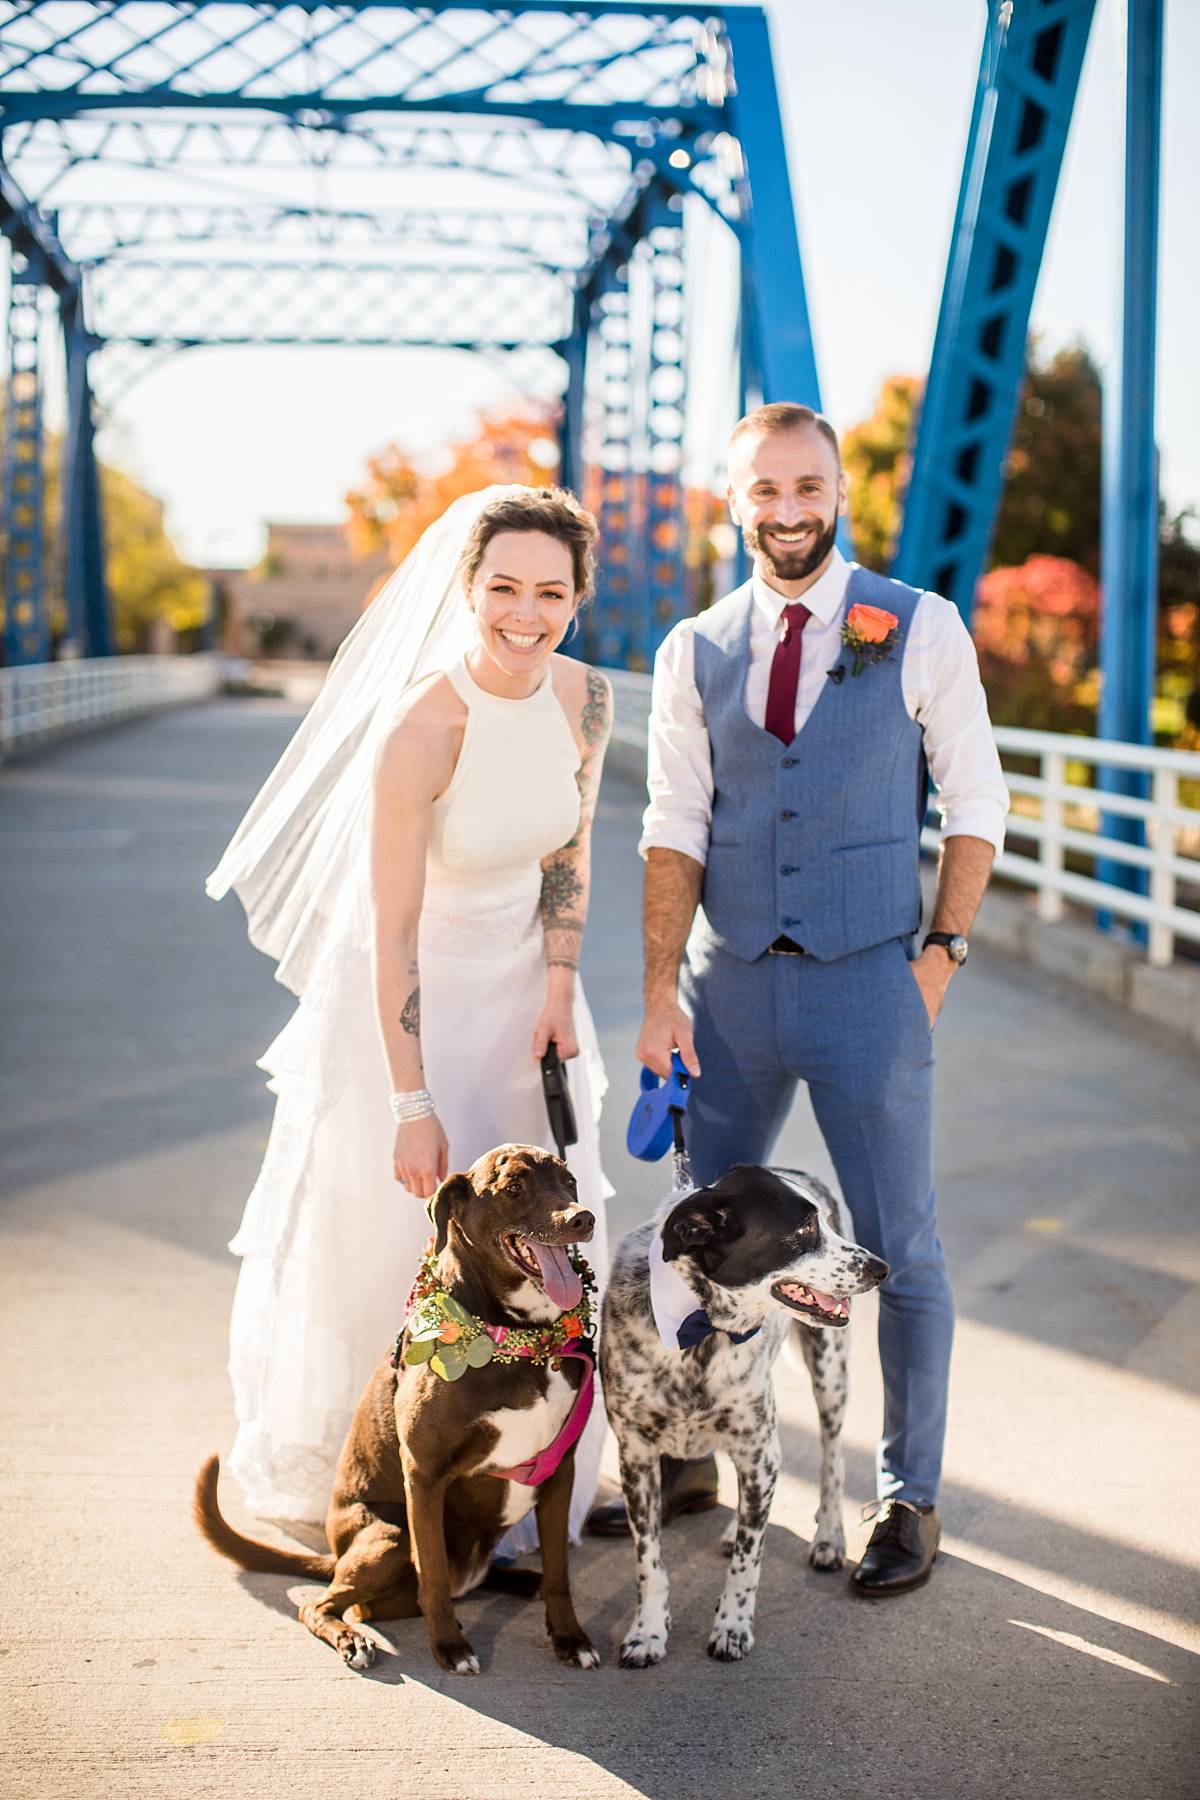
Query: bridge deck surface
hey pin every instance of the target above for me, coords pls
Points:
(1055, 1652)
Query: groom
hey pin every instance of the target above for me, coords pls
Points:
(793, 731)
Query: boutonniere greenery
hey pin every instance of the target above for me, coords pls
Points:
(871, 634)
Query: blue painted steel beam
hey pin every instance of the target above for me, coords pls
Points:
(590, 9)
(1129, 523)
(612, 120)
(779, 342)
(33, 235)
(1028, 80)
(88, 610)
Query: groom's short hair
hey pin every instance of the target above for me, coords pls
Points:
(785, 415)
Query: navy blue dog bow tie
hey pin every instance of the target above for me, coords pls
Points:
(697, 1326)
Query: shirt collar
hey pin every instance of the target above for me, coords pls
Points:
(823, 599)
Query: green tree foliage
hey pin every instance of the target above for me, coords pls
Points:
(1037, 624)
(877, 457)
(147, 578)
(1051, 502)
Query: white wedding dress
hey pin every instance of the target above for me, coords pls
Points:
(329, 1241)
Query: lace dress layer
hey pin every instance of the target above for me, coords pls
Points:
(329, 1241)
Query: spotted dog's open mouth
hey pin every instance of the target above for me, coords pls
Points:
(548, 1265)
(826, 1308)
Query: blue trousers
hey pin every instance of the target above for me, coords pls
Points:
(857, 1033)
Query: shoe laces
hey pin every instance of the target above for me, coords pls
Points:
(895, 1521)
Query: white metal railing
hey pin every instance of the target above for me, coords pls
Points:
(1061, 809)
(46, 700)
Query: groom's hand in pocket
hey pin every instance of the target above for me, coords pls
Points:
(665, 1028)
(420, 1158)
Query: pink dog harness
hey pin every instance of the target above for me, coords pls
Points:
(536, 1469)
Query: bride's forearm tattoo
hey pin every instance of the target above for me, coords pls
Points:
(410, 1014)
(562, 892)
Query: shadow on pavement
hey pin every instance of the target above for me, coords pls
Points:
(961, 1661)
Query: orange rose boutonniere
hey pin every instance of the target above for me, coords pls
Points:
(872, 634)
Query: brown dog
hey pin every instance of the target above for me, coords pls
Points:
(415, 1515)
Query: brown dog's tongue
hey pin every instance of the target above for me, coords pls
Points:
(560, 1280)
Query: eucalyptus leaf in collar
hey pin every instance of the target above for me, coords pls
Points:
(442, 1333)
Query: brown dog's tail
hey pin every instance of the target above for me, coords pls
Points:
(248, 1553)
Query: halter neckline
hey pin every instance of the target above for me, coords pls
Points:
(485, 695)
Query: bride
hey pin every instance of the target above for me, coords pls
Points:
(418, 865)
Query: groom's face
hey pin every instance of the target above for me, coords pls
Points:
(786, 491)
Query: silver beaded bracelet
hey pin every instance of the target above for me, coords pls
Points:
(408, 1108)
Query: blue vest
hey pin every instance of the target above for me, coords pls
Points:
(816, 840)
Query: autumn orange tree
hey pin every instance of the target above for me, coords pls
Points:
(1037, 630)
(402, 493)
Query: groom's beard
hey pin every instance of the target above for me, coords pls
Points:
(791, 565)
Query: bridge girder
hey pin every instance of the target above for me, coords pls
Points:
(574, 131)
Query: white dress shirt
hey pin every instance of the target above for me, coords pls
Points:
(939, 677)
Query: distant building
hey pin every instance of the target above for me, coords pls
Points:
(302, 598)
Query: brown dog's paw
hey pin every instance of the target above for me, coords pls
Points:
(579, 1652)
(356, 1651)
(456, 1656)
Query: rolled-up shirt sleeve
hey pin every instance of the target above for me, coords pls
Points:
(950, 705)
(679, 755)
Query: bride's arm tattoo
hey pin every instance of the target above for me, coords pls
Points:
(566, 873)
(410, 1014)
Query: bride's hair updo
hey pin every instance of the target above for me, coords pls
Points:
(551, 510)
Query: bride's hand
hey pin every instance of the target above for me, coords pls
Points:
(419, 1160)
(556, 1026)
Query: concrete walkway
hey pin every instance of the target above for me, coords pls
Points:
(1055, 1653)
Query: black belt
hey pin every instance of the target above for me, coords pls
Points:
(786, 946)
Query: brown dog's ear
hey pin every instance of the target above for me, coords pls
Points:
(453, 1191)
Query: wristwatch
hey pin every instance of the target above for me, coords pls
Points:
(952, 942)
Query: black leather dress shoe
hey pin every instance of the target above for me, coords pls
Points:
(901, 1552)
(688, 1487)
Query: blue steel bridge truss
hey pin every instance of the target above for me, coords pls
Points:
(515, 180)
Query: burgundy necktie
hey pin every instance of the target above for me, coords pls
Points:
(785, 674)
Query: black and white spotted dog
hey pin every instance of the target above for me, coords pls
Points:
(725, 1271)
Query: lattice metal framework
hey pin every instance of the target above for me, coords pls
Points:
(383, 173)
(25, 622)
(185, 172)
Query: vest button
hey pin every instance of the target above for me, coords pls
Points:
(786, 869)
(785, 814)
(788, 762)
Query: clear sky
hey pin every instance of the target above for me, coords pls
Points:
(877, 98)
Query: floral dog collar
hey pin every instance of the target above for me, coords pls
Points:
(451, 1340)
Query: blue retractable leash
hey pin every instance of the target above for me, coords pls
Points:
(656, 1123)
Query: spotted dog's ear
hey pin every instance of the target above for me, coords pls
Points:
(700, 1226)
(441, 1204)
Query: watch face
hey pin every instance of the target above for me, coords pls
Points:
(956, 949)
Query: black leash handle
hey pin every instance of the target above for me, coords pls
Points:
(558, 1101)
